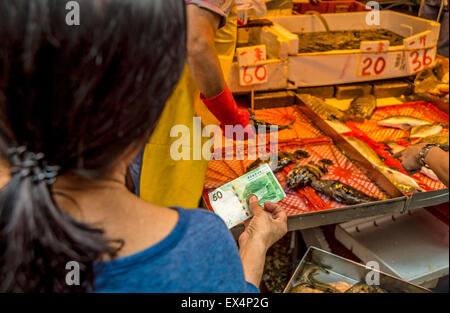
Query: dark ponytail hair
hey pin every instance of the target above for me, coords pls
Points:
(75, 97)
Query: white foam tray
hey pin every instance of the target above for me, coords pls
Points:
(413, 246)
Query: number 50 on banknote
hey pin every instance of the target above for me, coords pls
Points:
(230, 200)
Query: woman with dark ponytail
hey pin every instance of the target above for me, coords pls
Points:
(77, 103)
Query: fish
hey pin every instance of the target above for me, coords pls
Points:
(429, 173)
(341, 192)
(440, 139)
(422, 131)
(394, 147)
(364, 288)
(366, 151)
(266, 126)
(324, 110)
(404, 182)
(304, 288)
(402, 122)
(338, 126)
(308, 282)
(361, 108)
(303, 175)
(283, 160)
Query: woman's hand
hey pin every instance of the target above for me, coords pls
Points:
(261, 231)
(410, 158)
(266, 226)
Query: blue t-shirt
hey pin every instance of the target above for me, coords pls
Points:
(198, 256)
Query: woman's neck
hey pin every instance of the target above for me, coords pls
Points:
(81, 197)
(109, 205)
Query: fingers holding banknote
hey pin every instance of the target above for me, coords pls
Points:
(267, 225)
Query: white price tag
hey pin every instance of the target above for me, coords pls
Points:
(417, 60)
(252, 68)
(376, 63)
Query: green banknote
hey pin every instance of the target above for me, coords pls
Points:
(230, 200)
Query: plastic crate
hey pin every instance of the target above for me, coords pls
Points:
(331, 7)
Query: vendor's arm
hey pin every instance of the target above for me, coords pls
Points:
(436, 158)
(266, 227)
(203, 21)
(203, 60)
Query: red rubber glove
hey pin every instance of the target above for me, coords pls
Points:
(225, 109)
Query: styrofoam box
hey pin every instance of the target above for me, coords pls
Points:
(341, 66)
(276, 78)
(413, 246)
(277, 42)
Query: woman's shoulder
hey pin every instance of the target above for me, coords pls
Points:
(201, 220)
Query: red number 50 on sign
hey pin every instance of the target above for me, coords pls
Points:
(250, 75)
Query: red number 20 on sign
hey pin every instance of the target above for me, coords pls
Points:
(373, 66)
(373, 58)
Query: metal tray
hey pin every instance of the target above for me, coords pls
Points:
(396, 203)
(341, 269)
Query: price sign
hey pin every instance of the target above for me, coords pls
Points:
(374, 58)
(417, 60)
(252, 65)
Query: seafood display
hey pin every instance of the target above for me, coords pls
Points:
(432, 82)
(440, 139)
(364, 288)
(284, 159)
(361, 108)
(325, 111)
(402, 122)
(404, 182)
(308, 283)
(366, 151)
(311, 174)
(341, 192)
(429, 173)
(303, 175)
(268, 127)
(344, 39)
(394, 147)
(427, 130)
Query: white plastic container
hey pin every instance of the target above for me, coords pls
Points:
(344, 66)
(278, 41)
(276, 79)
